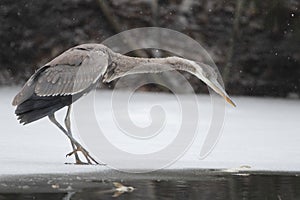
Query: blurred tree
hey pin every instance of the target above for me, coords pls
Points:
(254, 43)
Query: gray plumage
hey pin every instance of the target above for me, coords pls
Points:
(70, 73)
(79, 67)
(76, 71)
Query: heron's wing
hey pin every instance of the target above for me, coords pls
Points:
(72, 72)
(28, 88)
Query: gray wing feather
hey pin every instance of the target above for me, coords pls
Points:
(28, 88)
(71, 73)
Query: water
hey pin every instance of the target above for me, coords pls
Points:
(244, 186)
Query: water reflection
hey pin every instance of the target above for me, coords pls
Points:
(207, 187)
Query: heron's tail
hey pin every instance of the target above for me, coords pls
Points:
(36, 108)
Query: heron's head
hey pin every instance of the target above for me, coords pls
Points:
(210, 77)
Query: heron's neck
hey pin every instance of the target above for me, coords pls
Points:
(124, 65)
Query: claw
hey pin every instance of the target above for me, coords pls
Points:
(86, 155)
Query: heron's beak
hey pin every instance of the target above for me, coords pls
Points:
(219, 89)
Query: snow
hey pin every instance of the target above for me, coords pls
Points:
(259, 134)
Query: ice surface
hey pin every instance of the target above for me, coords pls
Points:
(260, 133)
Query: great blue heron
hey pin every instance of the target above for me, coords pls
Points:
(76, 71)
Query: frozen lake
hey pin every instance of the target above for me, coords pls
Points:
(259, 134)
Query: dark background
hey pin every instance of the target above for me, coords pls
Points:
(255, 44)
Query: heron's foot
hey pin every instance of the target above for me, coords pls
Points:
(88, 157)
(79, 162)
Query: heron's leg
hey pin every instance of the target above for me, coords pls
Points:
(68, 126)
(79, 146)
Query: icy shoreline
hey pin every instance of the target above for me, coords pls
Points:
(261, 134)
